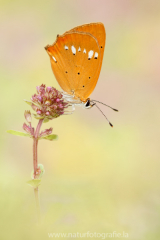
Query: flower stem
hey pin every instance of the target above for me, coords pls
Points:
(37, 205)
(35, 165)
(35, 160)
(35, 144)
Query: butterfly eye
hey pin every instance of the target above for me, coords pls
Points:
(88, 104)
(73, 50)
(65, 47)
(96, 55)
(90, 54)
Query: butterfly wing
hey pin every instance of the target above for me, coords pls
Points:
(76, 59)
(95, 29)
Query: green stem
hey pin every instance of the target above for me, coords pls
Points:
(37, 205)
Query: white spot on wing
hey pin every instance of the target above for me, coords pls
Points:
(73, 50)
(66, 47)
(96, 55)
(84, 51)
(90, 54)
(54, 59)
(79, 49)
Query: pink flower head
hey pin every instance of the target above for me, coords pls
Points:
(48, 103)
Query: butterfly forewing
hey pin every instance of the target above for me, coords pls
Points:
(95, 29)
(76, 59)
(74, 64)
(98, 31)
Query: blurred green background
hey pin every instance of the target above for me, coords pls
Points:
(98, 179)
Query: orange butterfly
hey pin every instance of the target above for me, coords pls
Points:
(76, 60)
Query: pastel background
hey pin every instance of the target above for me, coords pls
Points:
(97, 178)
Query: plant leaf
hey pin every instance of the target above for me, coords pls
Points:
(17, 133)
(28, 102)
(32, 103)
(38, 176)
(37, 116)
(42, 170)
(50, 137)
(45, 120)
(34, 182)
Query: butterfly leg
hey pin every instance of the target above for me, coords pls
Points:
(73, 107)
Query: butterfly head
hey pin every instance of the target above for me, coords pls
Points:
(88, 104)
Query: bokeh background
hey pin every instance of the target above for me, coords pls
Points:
(97, 178)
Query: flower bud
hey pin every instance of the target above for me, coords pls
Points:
(27, 115)
(39, 112)
(47, 113)
(27, 128)
(39, 98)
(57, 100)
(48, 89)
(46, 132)
(60, 105)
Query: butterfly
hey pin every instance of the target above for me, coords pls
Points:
(76, 60)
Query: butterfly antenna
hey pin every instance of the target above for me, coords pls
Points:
(106, 105)
(104, 115)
